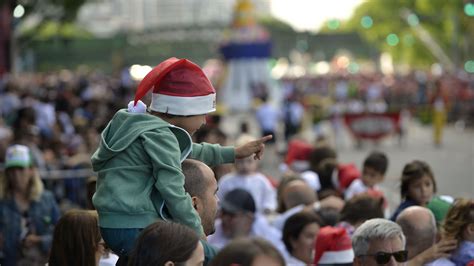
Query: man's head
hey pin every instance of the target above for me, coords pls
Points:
(379, 242)
(419, 226)
(201, 185)
(362, 207)
(237, 213)
(375, 166)
(298, 192)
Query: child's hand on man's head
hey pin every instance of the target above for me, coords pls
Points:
(255, 147)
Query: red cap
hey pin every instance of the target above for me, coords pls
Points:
(180, 87)
(298, 150)
(346, 174)
(333, 245)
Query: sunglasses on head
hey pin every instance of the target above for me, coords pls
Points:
(384, 257)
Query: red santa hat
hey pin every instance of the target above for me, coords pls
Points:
(333, 246)
(346, 174)
(180, 87)
(297, 156)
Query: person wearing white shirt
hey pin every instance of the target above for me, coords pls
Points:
(247, 177)
(373, 173)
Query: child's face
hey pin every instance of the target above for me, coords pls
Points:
(371, 177)
(246, 166)
(190, 123)
(421, 190)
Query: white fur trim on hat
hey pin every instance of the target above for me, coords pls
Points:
(178, 105)
(140, 108)
(343, 256)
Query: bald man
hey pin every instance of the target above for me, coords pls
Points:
(298, 196)
(200, 183)
(419, 226)
(298, 192)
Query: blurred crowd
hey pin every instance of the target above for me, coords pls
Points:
(383, 93)
(317, 211)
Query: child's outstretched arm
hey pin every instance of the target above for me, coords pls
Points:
(256, 147)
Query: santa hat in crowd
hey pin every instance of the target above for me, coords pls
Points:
(333, 247)
(346, 174)
(180, 87)
(297, 155)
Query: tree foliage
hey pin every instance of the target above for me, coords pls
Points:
(54, 18)
(445, 21)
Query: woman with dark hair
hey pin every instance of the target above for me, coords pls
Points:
(167, 243)
(248, 252)
(299, 235)
(77, 240)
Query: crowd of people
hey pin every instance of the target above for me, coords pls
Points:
(318, 211)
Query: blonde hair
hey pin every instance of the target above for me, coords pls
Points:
(459, 216)
(35, 188)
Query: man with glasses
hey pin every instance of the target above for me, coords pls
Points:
(379, 242)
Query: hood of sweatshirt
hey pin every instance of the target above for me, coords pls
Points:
(125, 128)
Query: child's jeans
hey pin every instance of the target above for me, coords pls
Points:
(120, 240)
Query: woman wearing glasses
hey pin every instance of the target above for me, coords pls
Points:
(379, 242)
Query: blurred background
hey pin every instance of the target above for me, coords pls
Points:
(360, 75)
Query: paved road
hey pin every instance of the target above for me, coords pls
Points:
(452, 164)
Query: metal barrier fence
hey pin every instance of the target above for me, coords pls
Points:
(66, 174)
(63, 173)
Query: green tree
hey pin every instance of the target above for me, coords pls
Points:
(418, 32)
(54, 18)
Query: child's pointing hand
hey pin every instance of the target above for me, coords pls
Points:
(253, 147)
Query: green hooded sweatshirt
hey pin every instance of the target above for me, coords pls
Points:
(139, 172)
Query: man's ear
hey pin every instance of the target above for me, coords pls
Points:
(196, 201)
(169, 263)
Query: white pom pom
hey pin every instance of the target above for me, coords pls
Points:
(140, 108)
